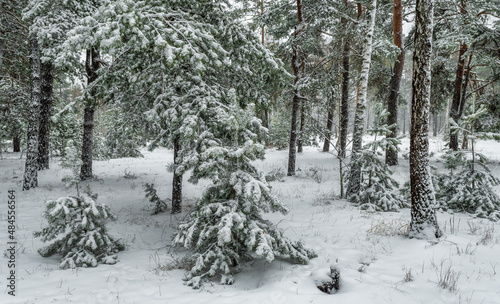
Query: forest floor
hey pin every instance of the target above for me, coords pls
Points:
(377, 264)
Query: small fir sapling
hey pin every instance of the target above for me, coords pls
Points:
(160, 205)
(77, 224)
(226, 227)
(468, 187)
(378, 190)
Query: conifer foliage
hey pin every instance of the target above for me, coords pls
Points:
(85, 241)
(227, 227)
(378, 190)
(468, 185)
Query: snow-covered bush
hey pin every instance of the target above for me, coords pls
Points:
(77, 224)
(226, 226)
(378, 190)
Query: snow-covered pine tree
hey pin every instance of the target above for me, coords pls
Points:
(226, 227)
(192, 58)
(468, 187)
(77, 224)
(378, 191)
(423, 214)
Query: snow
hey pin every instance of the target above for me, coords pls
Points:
(376, 263)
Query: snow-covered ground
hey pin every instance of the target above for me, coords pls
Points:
(377, 264)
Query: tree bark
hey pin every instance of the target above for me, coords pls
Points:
(391, 156)
(435, 121)
(177, 180)
(31, 167)
(344, 103)
(47, 82)
(91, 66)
(302, 122)
(457, 95)
(329, 126)
(423, 215)
(355, 173)
(16, 142)
(296, 66)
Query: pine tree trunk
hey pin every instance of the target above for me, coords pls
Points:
(177, 181)
(47, 82)
(91, 66)
(329, 126)
(355, 173)
(16, 142)
(423, 216)
(391, 156)
(87, 142)
(344, 105)
(457, 95)
(31, 167)
(296, 66)
(302, 121)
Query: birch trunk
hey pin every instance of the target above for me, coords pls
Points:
(31, 167)
(423, 215)
(355, 174)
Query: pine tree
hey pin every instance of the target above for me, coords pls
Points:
(226, 227)
(378, 191)
(468, 185)
(391, 156)
(423, 215)
(77, 224)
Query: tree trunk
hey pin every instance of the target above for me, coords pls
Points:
(296, 66)
(177, 180)
(457, 95)
(435, 121)
(355, 174)
(47, 82)
(91, 66)
(391, 156)
(301, 132)
(344, 103)
(16, 142)
(423, 216)
(329, 126)
(31, 167)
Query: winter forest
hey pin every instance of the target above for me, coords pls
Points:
(250, 151)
